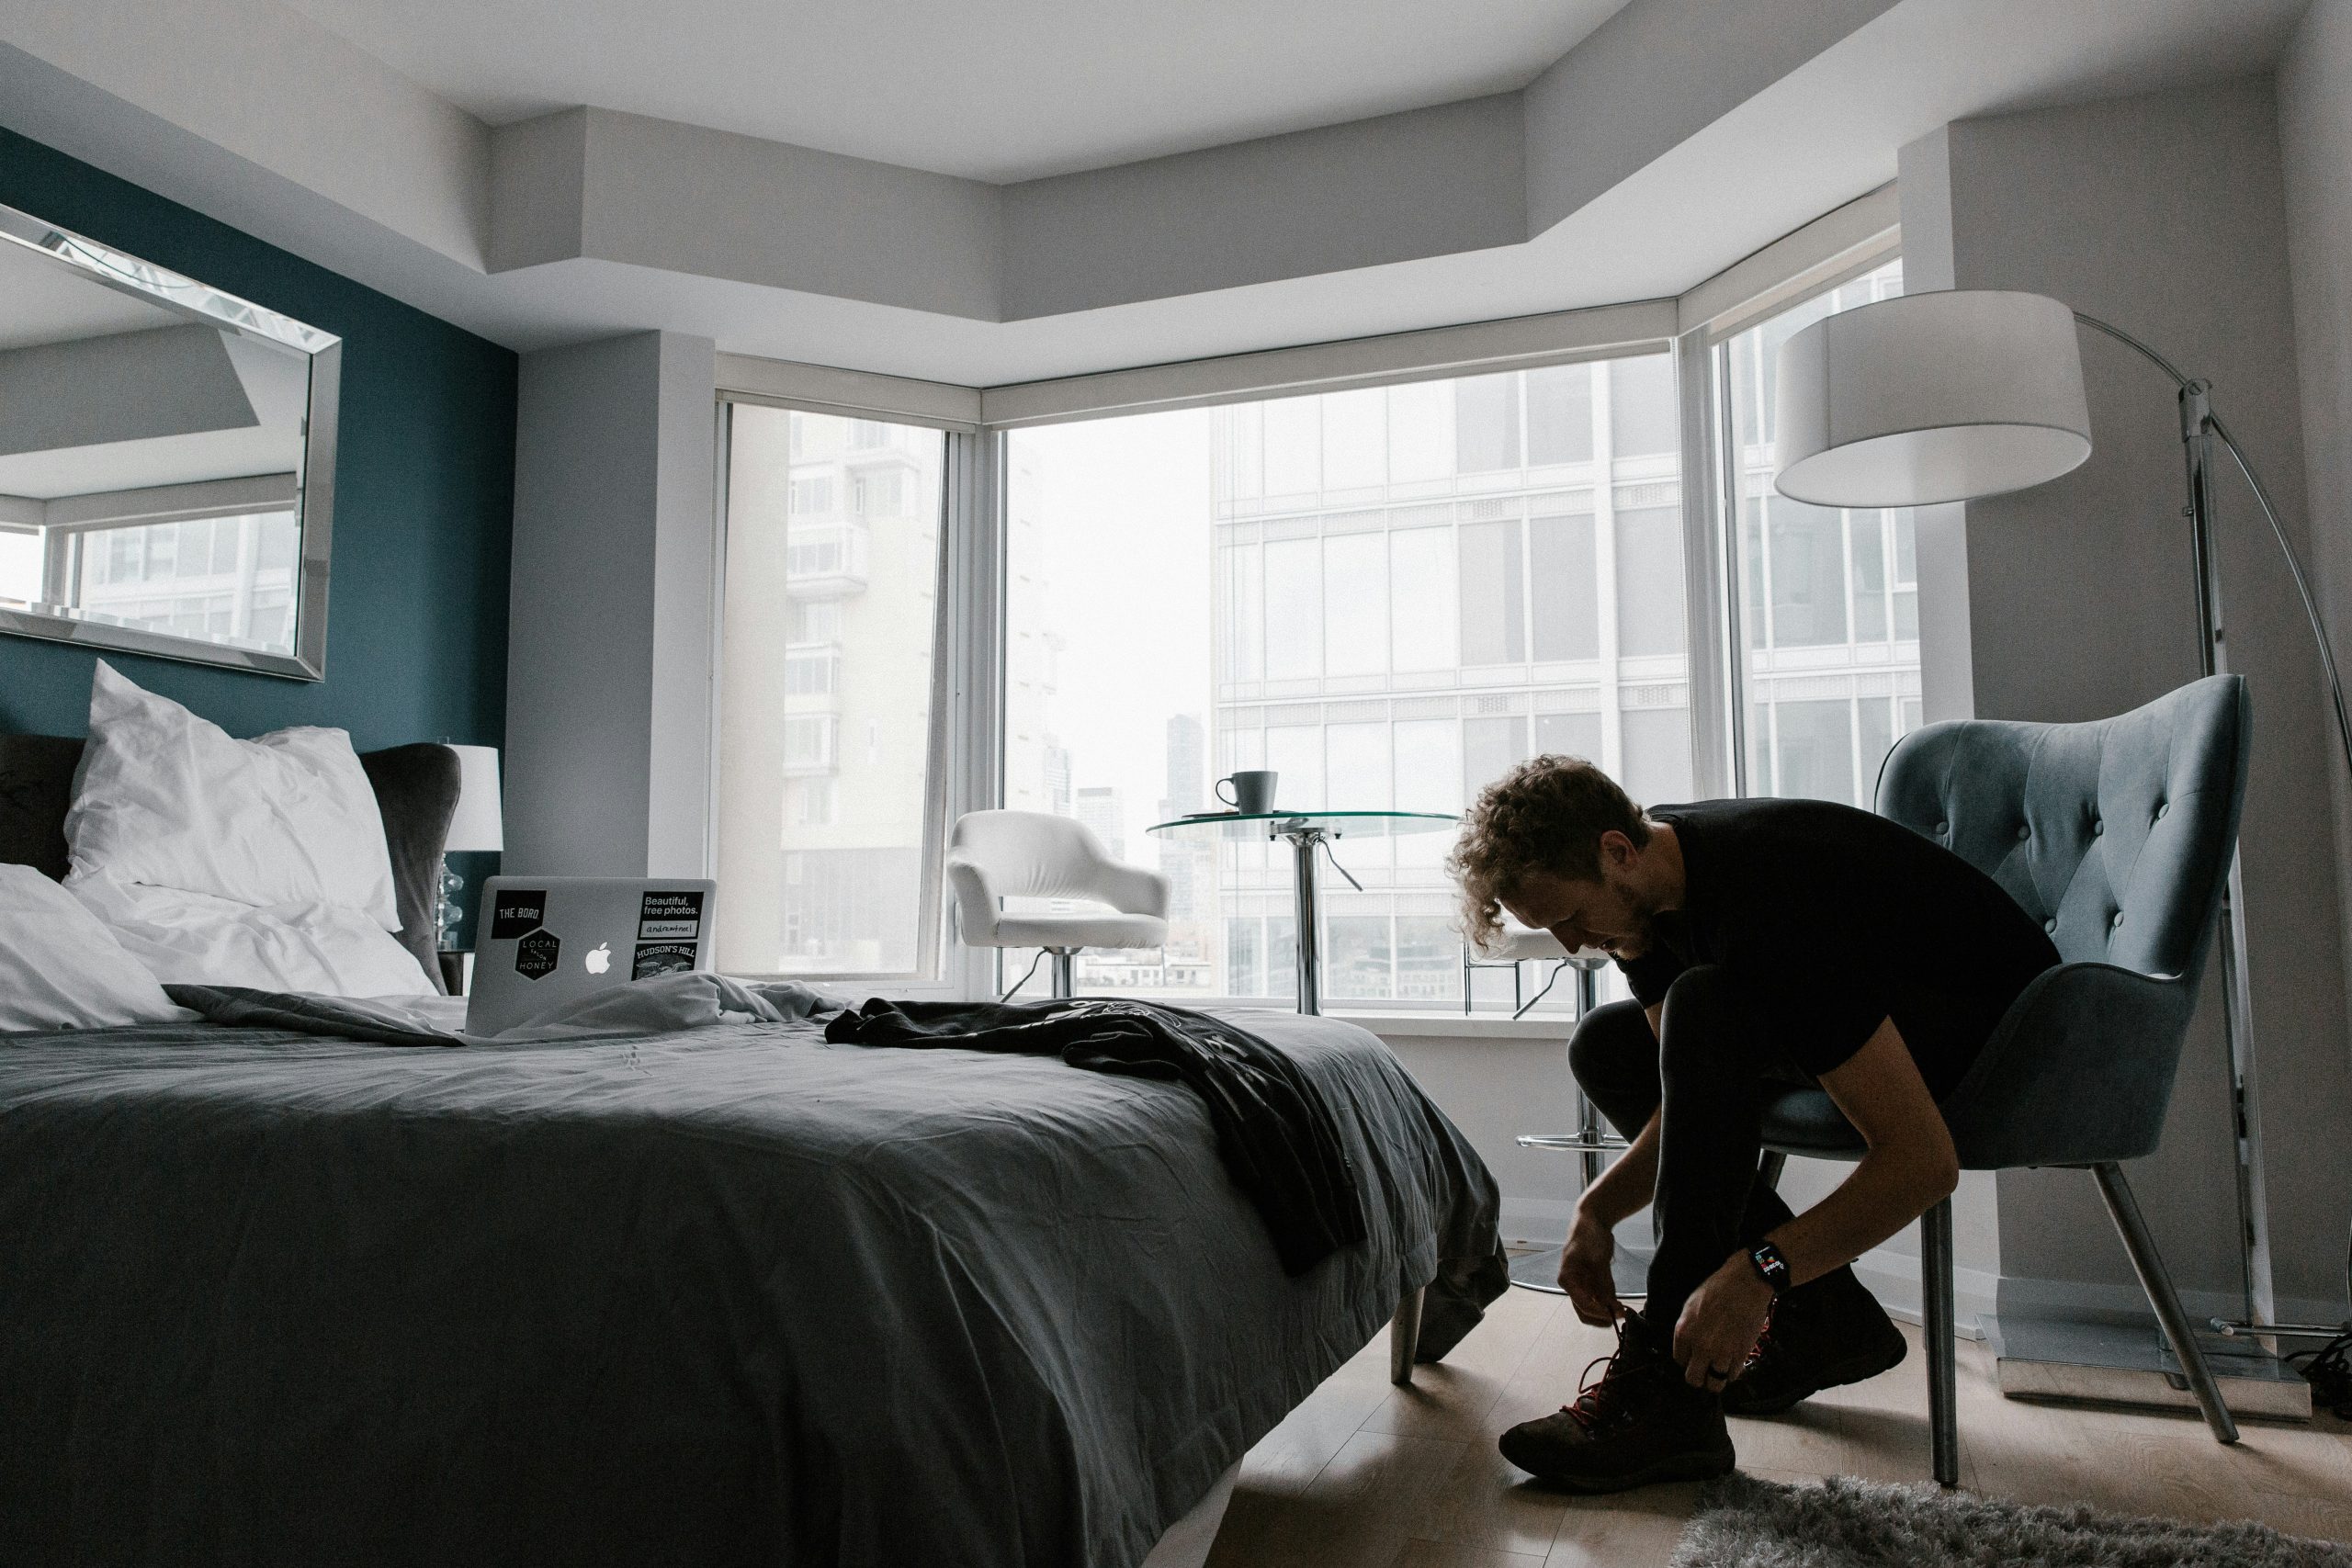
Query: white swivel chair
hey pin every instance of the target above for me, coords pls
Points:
(995, 856)
(1517, 945)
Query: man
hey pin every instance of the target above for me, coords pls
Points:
(1768, 944)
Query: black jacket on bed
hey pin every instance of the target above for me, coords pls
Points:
(1273, 1131)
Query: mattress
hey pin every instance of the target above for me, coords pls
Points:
(727, 1295)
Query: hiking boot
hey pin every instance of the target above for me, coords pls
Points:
(1826, 1332)
(1638, 1423)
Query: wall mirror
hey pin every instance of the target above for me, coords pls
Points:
(166, 461)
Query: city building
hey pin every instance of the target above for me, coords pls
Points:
(832, 543)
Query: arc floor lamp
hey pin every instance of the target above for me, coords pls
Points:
(1966, 394)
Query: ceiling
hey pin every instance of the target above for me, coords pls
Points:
(997, 91)
(679, 166)
(44, 300)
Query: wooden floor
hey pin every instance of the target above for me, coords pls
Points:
(1367, 1475)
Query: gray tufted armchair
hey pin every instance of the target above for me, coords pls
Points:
(2117, 837)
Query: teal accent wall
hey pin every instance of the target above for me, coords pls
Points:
(425, 492)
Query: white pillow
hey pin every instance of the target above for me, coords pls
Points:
(187, 938)
(167, 798)
(59, 969)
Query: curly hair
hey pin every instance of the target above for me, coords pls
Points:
(1546, 813)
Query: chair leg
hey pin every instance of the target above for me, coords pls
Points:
(2124, 1210)
(1769, 1169)
(1943, 1354)
(1065, 964)
(1404, 1339)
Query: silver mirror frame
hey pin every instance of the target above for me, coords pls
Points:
(314, 490)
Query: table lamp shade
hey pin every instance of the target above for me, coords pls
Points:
(479, 821)
(1931, 398)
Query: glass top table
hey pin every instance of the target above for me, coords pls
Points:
(1307, 831)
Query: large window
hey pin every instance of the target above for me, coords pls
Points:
(1389, 596)
(826, 747)
(1828, 604)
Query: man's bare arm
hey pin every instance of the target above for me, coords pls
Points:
(1910, 1167)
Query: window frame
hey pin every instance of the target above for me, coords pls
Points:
(967, 759)
(942, 970)
(1711, 512)
(1561, 1000)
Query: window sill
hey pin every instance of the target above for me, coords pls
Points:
(1463, 1026)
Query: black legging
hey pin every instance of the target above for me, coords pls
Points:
(1711, 1077)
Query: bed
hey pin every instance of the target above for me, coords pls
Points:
(726, 1295)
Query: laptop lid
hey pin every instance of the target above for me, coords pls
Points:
(543, 942)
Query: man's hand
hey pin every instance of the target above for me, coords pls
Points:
(1585, 1273)
(1720, 1324)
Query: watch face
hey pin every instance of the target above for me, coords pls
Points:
(1771, 1264)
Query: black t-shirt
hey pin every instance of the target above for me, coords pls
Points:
(1833, 919)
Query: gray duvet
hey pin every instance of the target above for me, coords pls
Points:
(728, 1295)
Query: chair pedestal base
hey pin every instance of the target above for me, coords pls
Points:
(1540, 1270)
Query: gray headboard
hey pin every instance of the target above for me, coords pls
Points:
(416, 790)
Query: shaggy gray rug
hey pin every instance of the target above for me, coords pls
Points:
(1745, 1523)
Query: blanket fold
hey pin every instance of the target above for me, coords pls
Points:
(1274, 1130)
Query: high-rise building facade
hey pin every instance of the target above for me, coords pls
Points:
(832, 583)
(1418, 587)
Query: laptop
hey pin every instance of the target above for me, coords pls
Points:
(549, 939)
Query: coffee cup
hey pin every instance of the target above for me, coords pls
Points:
(1253, 790)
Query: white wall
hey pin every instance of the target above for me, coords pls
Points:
(2316, 146)
(2164, 214)
(1495, 1086)
(609, 662)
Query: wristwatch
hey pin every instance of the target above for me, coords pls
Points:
(1772, 1265)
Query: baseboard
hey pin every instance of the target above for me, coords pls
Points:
(1894, 1279)
(2083, 1300)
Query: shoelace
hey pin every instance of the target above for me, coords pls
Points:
(1764, 1347)
(1596, 1399)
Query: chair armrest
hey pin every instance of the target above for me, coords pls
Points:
(2079, 1071)
(1132, 890)
(976, 907)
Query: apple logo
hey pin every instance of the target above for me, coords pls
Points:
(600, 958)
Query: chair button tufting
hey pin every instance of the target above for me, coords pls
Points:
(2119, 917)
(2161, 808)
(1943, 827)
(2050, 926)
(2024, 832)
(2098, 827)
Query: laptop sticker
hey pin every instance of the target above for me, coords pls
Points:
(517, 913)
(661, 958)
(536, 955)
(670, 917)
